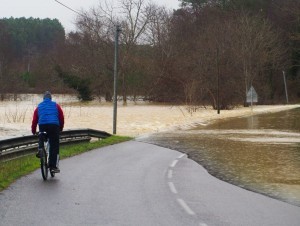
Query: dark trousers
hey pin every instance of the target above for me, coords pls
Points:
(53, 136)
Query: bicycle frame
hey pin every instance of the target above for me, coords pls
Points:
(44, 158)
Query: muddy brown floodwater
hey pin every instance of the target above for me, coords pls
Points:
(259, 153)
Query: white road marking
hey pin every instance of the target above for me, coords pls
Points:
(174, 163)
(181, 156)
(185, 207)
(172, 187)
(181, 202)
(202, 224)
(170, 174)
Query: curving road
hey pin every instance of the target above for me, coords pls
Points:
(134, 183)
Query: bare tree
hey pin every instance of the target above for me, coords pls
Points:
(258, 45)
(159, 38)
(90, 50)
(136, 17)
(133, 16)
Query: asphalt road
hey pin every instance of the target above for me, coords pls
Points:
(134, 183)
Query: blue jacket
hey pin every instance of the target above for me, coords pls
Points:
(48, 112)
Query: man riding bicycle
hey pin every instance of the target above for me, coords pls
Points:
(50, 118)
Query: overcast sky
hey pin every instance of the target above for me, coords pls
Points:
(52, 9)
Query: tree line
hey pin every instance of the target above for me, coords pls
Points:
(25, 45)
(207, 51)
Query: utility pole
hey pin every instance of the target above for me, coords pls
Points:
(118, 30)
(218, 82)
(286, 93)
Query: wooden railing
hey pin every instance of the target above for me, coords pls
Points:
(21, 146)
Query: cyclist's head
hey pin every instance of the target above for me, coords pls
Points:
(47, 95)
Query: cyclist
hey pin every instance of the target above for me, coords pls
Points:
(50, 118)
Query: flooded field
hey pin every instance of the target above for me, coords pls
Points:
(259, 153)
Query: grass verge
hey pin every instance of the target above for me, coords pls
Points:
(14, 169)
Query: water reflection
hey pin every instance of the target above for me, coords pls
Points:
(260, 153)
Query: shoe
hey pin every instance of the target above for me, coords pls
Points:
(39, 153)
(55, 170)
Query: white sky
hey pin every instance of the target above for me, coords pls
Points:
(51, 9)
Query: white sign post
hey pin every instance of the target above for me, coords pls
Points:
(252, 96)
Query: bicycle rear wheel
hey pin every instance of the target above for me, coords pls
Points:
(44, 164)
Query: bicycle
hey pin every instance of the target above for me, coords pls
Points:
(44, 155)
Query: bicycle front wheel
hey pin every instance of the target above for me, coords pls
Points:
(44, 164)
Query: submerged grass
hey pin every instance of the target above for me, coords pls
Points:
(14, 169)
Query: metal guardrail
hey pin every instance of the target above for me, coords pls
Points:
(21, 146)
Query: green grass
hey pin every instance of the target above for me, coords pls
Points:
(14, 169)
